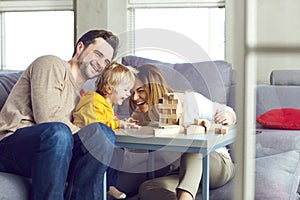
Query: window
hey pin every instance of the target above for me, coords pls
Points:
(28, 35)
(32, 29)
(204, 25)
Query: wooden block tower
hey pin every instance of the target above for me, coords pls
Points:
(170, 114)
(170, 108)
(170, 111)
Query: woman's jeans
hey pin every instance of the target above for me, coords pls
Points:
(61, 165)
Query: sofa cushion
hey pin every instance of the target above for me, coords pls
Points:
(277, 176)
(270, 97)
(14, 187)
(212, 79)
(225, 192)
(281, 118)
(7, 81)
(279, 140)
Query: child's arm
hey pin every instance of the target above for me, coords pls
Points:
(129, 123)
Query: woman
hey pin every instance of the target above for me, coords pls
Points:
(183, 183)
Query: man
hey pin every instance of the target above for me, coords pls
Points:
(37, 137)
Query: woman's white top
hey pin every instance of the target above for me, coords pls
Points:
(197, 106)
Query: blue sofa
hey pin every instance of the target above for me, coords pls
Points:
(277, 159)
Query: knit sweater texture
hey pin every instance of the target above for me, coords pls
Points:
(45, 92)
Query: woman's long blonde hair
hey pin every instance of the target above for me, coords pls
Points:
(155, 87)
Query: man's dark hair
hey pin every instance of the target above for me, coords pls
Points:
(90, 36)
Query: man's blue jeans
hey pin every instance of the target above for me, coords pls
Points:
(50, 155)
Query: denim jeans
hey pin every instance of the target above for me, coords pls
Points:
(50, 155)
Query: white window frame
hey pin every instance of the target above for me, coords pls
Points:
(37, 5)
(174, 3)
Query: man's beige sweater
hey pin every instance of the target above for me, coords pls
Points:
(46, 92)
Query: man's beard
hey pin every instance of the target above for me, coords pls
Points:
(87, 71)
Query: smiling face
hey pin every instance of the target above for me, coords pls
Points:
(139, 96)
(121, 92)
(95, 58)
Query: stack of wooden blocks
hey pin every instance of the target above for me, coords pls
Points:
(171, 119)
(170, 115)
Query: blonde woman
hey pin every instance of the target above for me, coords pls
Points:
(184, 181)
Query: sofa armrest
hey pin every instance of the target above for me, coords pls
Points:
(7, 81)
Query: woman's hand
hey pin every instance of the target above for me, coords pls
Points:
(224, 117)
(129, 123)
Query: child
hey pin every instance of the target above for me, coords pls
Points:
(113, 88)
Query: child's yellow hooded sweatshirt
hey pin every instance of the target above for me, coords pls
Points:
(93, 107)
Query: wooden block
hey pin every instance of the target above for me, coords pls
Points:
(168, 130)
(169, 126)
(195, 129)
(175, 101)
(161, 100)
(167, 106)
(197, 121)
(168, 111)
(166, 96)
(168, 116)
(172, 121)
(203, 122)
(163, 121)
(217, 130)
(214, 126)
(167, 122)
(170, 96)
(164, 111)
(222, 130)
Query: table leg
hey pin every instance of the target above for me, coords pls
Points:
(205, 178)
(150, 163)
(104, 186)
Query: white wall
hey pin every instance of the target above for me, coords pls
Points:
(278, 36)
(100, 14)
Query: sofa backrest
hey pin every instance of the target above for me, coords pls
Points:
(213, 79)
(285, 77)
(283, 92)
(270, 97)
(7, 81)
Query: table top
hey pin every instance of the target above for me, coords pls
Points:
(143, 138)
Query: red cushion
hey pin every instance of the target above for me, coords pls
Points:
(283, 118)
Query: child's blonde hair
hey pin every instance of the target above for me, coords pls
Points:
(113, 75)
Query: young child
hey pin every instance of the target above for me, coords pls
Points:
(113, 87)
